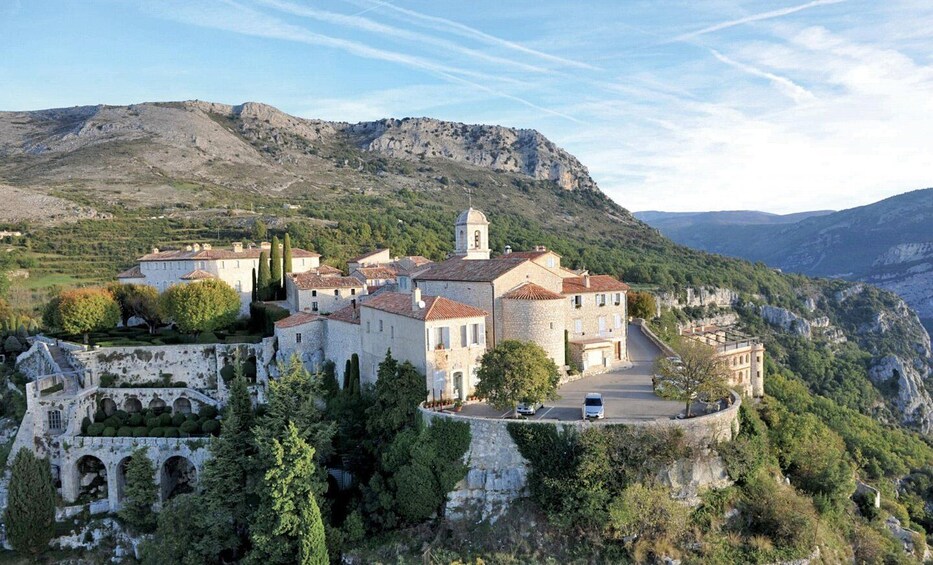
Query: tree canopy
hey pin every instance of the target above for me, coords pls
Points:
(517, 371)
(140, 492)
(202, 306)
(84, 310)
(138, 300)
(698, 372)
(30, 511)
(641, 304)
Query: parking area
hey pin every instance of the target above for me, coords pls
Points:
(627, 393)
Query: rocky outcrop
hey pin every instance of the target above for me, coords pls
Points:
(687, 478)
(912, 400)
(696, 297)
(786, 320)
(497, 148)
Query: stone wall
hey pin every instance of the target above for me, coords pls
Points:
(498, 474)
(538, 321)
(343, 339)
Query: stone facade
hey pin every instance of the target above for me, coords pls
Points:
(742, 354)
(538, 321)
(329, 295)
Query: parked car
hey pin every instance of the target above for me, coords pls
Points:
(593, 408)
(529, 408)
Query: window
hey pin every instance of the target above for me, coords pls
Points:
(617, 298)
(476, 239)
(336, 292)
(617, 318)
(550, 262)
(578, 326)
(478, 334)
(237, 264)
(392, 332)
(298, 337)
(552, 325)
(313, 293)
(577, 300)
(221, 264)
(239, 286)
(463, 335)
(55, 419)
(442, 338)
(600, 299)
(380, 325)
(352, 292)
(367, 326)
(314, 306)
(602, 324)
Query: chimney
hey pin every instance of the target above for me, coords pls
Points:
(508, 249)
(187, 248)
(238, 247)
(416, 299)
(586, 281)
(265, 245)
(155, 250)
(196, 247)
(540, 248)
(206, 247)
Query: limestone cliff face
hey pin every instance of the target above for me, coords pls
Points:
(522, 151)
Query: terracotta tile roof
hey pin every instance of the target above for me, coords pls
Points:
(415, 260)
(217, 254)
(297, 319)
(366, 255)
(348, 314)
(196, 275)
(326, 271)
(598, 283)
(376, 272)
(533, 254)
(435, 307)
(311, 280)
(531, 291)
(133, 272)
(473, 270)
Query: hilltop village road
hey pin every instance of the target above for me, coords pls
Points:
(627, 393)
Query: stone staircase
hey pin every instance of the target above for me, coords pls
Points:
(67, 369)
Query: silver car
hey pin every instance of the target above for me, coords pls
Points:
(593, 408)
(529, 408)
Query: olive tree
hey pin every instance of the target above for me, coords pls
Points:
(697, 372)
(517, 371)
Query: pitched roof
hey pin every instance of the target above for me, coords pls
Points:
(196, 275)
(376, 272)
(217, 254)
(133, 272)
(326, 271)
(367, 255)
(472, 270)
(531, 291)
(598, 283)
(435, 307)
(533, 254)
(311, 280)
(349, 314)
(297, 319)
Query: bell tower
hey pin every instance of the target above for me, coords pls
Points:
(472, 233)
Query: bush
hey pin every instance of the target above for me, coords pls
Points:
(110, 431)
(157, 432)
(208, 412)
(108, 380)
(140, 432)
(85, 424)
(177, 419)
(779, 513)
(95, 430)
(125, 431)
(165, 420)
(171, 432)
(210, 427)
(152, 422)
(113, 422)
(190, 427)
(135, 420)
(121, 415)
(100, 416)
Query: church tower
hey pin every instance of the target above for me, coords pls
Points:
(472, 231)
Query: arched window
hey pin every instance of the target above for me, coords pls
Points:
(476, 239)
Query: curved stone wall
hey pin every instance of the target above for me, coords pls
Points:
(498, 473)
(537, 321)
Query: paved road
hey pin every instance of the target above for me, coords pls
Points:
(627, 393)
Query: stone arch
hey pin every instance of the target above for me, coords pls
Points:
(181, 406)
(156, 404)
(133, 405)
(108, 406)
(177, 475)
(121, 476)
(91, 478)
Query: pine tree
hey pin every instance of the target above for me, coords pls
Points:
(287, 254)
(254, 294)
(288, 526)
(140, 493)
(30, 511)
(275, 268)
(264, 279)
(228, 482)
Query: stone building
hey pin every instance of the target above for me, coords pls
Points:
(162, 269)
(311, 292)
(596, 320)
(743, 355)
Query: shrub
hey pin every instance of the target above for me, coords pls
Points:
(112, 422)
(157, 432)
(177, 419)
(140, 432)
(135, 420)
(152, 422)
(95, 430)
(100, 416)
(110, 431)
(778, 512)
(108, 380)
(171, 432)
(207, 412)
(165, 420)
(85, 424)
(189, 427)
(121, 415)
(210, 427)
(125, 431)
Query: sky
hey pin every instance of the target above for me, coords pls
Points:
(781, 106)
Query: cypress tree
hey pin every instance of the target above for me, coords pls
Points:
(288, 528)
(30, 511)
(254, 295)
(355, 385)
(275, 268)
(264, 280)
(287, 254)
(347, 375)
(140, 493)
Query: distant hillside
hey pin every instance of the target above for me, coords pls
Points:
(888, 243)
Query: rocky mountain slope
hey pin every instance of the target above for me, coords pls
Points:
(167, 173)
(888, 243)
